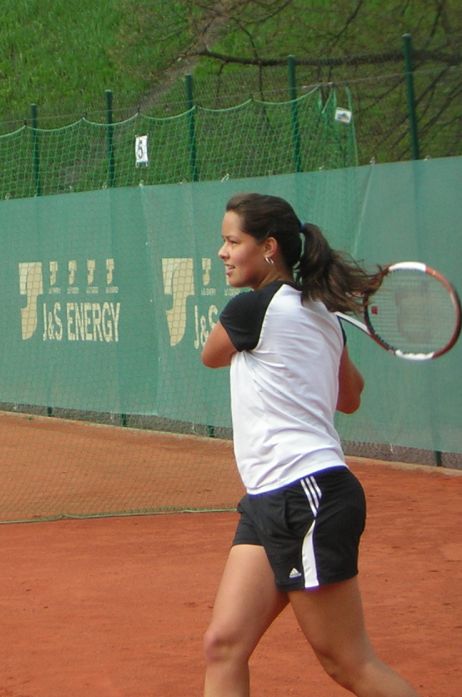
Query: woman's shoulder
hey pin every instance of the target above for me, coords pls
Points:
(254, 298)
(245, 313)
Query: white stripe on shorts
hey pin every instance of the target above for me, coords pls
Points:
(313, 494)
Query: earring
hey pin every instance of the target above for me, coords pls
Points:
(269, 260)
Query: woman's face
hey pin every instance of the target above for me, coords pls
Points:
(242, 255)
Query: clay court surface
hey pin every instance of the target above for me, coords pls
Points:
(116, 606)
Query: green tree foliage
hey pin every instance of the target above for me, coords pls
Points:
(63, 56)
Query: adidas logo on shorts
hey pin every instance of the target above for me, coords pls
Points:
(295, 573)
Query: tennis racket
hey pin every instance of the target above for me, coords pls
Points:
(414, 314)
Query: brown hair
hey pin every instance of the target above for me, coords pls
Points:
(321, 272)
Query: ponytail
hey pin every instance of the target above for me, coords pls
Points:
(331, 276)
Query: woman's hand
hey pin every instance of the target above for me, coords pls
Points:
(351, 384)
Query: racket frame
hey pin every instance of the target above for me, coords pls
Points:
(368, 326)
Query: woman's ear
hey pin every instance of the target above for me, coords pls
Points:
(270, 246)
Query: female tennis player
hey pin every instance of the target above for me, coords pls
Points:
(304, 511)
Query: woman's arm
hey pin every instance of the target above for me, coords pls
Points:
(218, 349)
(351, 384)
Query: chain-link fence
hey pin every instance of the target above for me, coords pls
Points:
(404, 105)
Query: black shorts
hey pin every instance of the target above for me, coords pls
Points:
(310, 529)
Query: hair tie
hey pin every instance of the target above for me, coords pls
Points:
(302, 240)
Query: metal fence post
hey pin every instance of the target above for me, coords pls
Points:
(294, 113)
(110, 139)
(36, 150)
(111, 171)
(407, 49)
(415, 148)
(193, 160)
(192, 128)
(37, 177)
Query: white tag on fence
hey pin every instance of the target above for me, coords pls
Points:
(141, 151)
(343, 115)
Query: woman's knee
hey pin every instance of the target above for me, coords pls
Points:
(336, 670)
(345, 668)
(221, 644)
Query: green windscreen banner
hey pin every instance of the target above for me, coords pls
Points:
(108, 296)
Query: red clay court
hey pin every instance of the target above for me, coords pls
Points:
(117, 606)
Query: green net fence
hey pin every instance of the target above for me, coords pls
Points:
(108, 297)
(111, 284)
(255, 138)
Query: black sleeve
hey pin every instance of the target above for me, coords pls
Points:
(343, 331)
(242, 319)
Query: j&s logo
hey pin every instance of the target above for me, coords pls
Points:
(178, 282)
(30, 285)
(78, 300)
(178, 278)
(54, 293)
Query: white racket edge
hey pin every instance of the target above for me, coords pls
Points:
(406, 265)
(355, 322)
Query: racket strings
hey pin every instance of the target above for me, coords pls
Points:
(413, 312)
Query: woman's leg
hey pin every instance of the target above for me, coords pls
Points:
(331, 618)
(246, 604)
